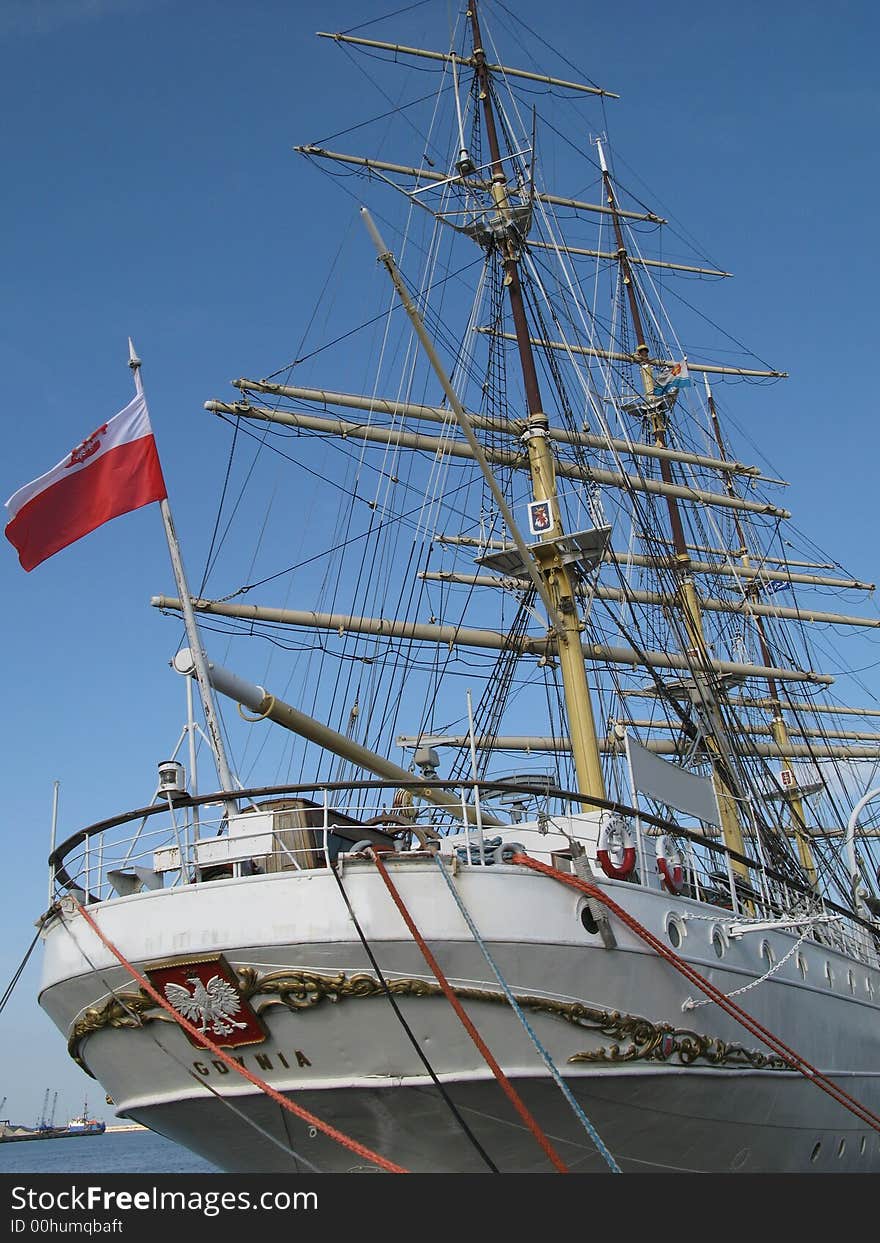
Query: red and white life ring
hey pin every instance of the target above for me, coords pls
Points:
(616, 850)
(669, 865)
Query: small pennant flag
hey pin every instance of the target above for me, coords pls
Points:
(776, 585)
(672, 378)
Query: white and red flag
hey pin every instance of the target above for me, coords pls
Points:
(113, 471)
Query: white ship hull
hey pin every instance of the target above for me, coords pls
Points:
(687, 1089)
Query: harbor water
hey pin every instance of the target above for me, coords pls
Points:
(114, 1152)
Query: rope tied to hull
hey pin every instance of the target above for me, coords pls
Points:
(517, 1009)
(412, 1039)
(21, 966)
(794, 1060)
(204, 1040)
(509, 1090)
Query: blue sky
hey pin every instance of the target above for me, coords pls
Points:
(151, 189)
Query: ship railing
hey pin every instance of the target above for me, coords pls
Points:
(185, 839)
(763, 900)
(192, 840)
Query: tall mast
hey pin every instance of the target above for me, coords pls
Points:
(698, 651)
(560, 586)
(778, 726)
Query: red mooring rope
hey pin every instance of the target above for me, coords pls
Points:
(499, 1074)
(773, 1042)
(193, 1031)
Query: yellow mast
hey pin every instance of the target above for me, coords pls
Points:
(559, 583)
(697, 650)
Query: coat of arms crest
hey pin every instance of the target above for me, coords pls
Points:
(205, 991)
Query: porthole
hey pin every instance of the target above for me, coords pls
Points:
(841, 1149)
(817, 1148)
(851, 979)
(862, 1146)
(719, 942)
(869, 986)
(767, 953)
(588, 921)
(802, 966)
(675, 930)
(829, 975)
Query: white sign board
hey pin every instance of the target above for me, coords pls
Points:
(669, 784)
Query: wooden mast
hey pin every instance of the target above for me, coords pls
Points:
(579, 709)
(689, 601)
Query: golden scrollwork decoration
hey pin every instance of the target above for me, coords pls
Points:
(631, 1037)
(123, 1010)
(663, 1043)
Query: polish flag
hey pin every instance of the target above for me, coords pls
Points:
(113, 471)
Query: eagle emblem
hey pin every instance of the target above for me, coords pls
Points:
(210, 1006)
(90, 445)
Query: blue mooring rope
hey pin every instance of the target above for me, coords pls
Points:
(548, 1061)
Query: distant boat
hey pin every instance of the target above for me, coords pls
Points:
(84, 1125)
(10, 1131)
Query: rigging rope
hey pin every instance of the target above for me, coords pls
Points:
(499, 1074)
(286, 1148)
(231, 1062)
(752, 1025)
(415, 1044)
(21, 966)
(548, 1061)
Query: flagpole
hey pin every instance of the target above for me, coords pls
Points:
(200, 664)
(55, 785)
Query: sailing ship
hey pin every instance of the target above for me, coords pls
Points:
(564, 858)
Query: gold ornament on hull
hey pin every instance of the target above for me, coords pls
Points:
(632, 1037)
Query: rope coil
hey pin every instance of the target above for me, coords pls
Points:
(261, 716)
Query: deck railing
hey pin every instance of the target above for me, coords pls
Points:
(185, 840)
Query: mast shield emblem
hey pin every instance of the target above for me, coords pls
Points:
(540, 517)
